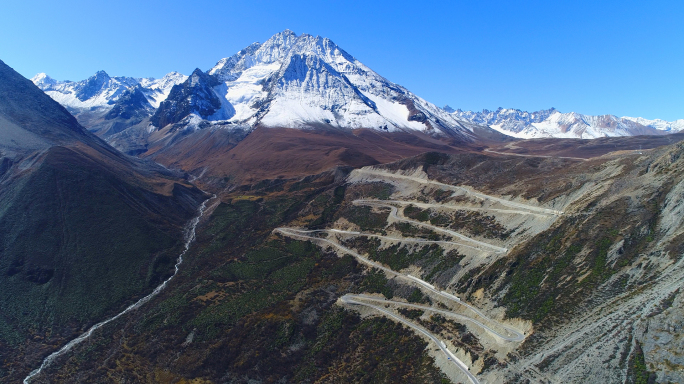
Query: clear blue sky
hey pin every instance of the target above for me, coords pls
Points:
(594, 57)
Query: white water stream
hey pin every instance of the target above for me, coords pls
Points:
(189, 238)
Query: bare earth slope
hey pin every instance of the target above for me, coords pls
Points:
(269, 153)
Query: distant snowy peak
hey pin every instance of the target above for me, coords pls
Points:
(257, 54)
(102, 90)
(132, 104)
(158, 90)
(673, 126)
(299, 81)
(506, 120)
(288, 81)
(43, 80)
(552, 123)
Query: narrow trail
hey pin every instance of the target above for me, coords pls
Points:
(511, 335)
(457, 207)
(190, 235)
(544, 156)
(501, 333)
(394, 213)
(398, 239)
(479, 195)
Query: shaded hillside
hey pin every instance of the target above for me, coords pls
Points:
(84, 230)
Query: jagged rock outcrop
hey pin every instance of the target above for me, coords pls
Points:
(132, 104)
(194, 96)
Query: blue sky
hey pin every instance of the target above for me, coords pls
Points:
(594, 57)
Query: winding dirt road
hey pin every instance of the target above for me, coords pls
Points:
(468, 191)
(394, 213)
(501, 333)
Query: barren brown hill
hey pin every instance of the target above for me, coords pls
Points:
(583, 148)
(269, 153)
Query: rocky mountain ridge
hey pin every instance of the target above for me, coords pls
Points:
(102, 91)
(84, 229)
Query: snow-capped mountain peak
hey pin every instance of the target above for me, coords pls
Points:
(288, 81)
(296, 81)
(256, 54)
(668, 126)
(43, 80)
(194, 96)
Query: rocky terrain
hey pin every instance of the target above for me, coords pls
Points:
(352, 274)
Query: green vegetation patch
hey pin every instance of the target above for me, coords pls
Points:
(417, 213)
(444, 263)
(331, 205)
(273, 272)
(398, 256)
(638, 373)
(411, 313)
(410, 230)
(375, 282)
(479, 225)
(365, 218)
(417, 296)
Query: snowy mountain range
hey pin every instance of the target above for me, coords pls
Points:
(553, 123)
(288, 81)
(304, 81)
(102, 91)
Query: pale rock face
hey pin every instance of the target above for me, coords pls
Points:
(552, 123)
(157, 91)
